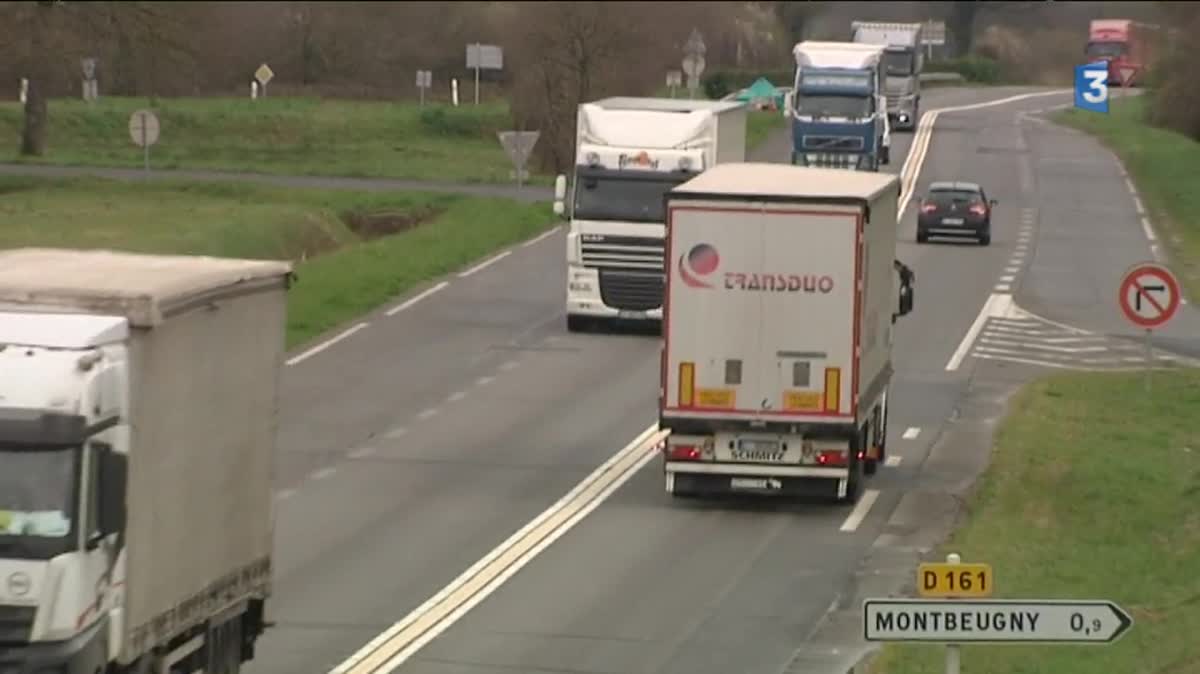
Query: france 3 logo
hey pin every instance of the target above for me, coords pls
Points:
(1091, 87)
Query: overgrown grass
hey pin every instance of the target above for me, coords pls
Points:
(1165, 166)
(344, 270)
(285, 136)
(1091, 494)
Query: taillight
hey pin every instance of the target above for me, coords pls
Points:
(978, 209)
(928, 208)
(683, 453)
(832, 457)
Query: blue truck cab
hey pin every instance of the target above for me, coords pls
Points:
(838, 112)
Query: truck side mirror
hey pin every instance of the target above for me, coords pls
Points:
(114, 469)
(560, 195)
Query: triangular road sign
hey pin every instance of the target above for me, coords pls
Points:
(518, 145)
(1126, 73)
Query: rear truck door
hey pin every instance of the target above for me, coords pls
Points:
(712, 333)
(809, 332)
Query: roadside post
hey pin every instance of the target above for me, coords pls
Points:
(143, 129)
(1149, 296)
(954, 610)
(263, 75)
(424, 82)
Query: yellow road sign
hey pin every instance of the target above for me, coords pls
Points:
(954, 580)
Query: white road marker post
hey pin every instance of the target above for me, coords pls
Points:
(953, 652)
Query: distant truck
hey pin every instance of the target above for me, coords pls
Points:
(628, 153)
(781, 298)
(903, 61)
(138, 400)
(838, 110)
(1128, 46)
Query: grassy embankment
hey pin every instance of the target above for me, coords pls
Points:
(355, 250)
(1165, 167)
(294, 136)
(1091, 494)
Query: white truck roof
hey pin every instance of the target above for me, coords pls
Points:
(886, 33)
(143, 288)
(783, 181)
(837, 54)
(665, 104)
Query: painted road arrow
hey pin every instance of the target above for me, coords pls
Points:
(960, 621)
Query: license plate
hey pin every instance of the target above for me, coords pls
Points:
(624, 313)
(758, 445)
(952, 221)
(754, 483)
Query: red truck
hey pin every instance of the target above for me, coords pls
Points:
(1128, 46)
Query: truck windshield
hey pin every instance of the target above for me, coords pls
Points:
(823, 105)
(1106, 50)
(898, 63)
(610, 197)
(37, 500)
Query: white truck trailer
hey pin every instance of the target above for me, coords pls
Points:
(138, 400)
(629, 152)
(777, 332)
(903, 62)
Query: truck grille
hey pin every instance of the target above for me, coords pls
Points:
(631, 290)
(628, 253)
(16, 624)
(833, 143)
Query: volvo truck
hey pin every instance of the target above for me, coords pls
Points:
(838, 110)
(628, 153)
(777, 334)
(138, 400)
(903, 61)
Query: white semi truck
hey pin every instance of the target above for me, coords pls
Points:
(903, 61)
(628, 153)
(138, 401)
(777, 334)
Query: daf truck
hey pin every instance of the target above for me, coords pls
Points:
(903, 61)
(138, 399)
(838, 110)
(629, 152)
(777, 335)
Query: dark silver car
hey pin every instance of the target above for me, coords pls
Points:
(958, 209)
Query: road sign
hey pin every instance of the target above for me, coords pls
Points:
(695, 44)
(1126, 73)
(264, 74)
(1091, 87)
(1149, 295)
(518, 145)
(933, 33)
(693, 65)
(674, 78)
(954, 580)
(485, 57)
(143, 128)
(89, 68)
(994, 621)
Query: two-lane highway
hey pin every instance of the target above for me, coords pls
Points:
(417, 444)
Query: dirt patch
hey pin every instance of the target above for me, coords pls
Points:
(373, 225)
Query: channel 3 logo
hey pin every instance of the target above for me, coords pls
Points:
(1091, 87)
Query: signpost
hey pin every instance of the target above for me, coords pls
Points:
(944, 616)
(264, 74)
(424, 81)
(933, 34)
(1149, 296)
(90, 89)
(143, 129)
(674, 80)
(483, 57)
(518, 145)
(693, 60)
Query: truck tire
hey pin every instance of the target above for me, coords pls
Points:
(854, 485)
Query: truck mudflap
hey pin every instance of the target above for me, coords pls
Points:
(705, 478)
(85, 653)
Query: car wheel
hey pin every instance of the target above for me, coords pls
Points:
(985, 238)
(922, 236)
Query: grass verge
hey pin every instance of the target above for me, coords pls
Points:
(355, 250)
(760, 124)
(1165, 167)
(1091, 494)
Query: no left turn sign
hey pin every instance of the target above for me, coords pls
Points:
(1149, 295)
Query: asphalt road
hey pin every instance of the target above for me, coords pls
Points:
(415, 445)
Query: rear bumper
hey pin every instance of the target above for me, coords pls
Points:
(706, 478)
(937, 228)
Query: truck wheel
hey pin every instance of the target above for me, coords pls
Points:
(854, 484)
(922, 237)
(576, 323)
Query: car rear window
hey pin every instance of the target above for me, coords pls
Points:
(945, 197)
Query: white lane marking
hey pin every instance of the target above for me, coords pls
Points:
(425, 414)
(1138, 206)
(399, 642)
(1155, 252)
(284, 494)
(416, 298)
(540, 237)
(996, 305)
(1148, 230)
(911, 433)
(1013, 269)
(1129, 185)
(1001, 343)
(484, 381)
(326, 344)
(509, 365)
(893, 461)
(485, 264)
(1002, 288)
(456, 396)
(396, 433)
(1007, 278)
(362, 452)
(323, 473)
(861, 510)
